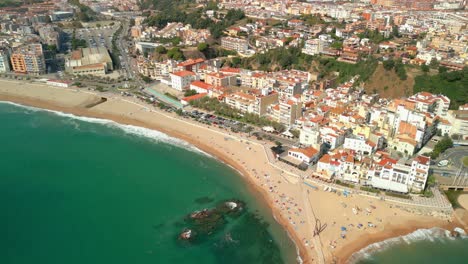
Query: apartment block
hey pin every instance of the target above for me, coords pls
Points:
(219, 79)
(181, 80)
(251, 103)
(237, 44)
(4, 61)
(28, 59)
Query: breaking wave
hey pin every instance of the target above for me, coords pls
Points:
(154, 135)
(431, 234)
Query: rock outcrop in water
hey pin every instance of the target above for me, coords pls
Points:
(206, 222)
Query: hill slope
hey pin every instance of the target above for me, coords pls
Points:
(388, 85)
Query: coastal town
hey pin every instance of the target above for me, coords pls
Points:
(362, 105)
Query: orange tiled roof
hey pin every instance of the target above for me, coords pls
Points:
(201, 84)
(194, 97)
(190, 62)
(308, 152)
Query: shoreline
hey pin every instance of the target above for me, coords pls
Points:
(300, 249)
(342, 253)
(395, 232)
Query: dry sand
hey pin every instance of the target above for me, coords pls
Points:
(295, 205)
(463, 200)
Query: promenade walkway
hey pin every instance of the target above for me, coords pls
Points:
(438, 202)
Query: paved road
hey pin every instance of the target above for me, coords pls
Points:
(455, 156)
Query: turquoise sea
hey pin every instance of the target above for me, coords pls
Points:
(422, 246)
(90, 191)
(73, 191)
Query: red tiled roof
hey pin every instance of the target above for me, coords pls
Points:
(423, 160)
(325, 159)
(190, 62)
(194, 97)
(308, 152)
(230, 70)
(201, 84)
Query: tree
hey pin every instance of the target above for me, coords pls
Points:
(161, 50)
(442, 69)
(425, 68)
(337, 45)
(190, 92)
(388, 64)
(175, 53)
(175, 41)
(434, 64)
(202, 47)
(146, 79)
(52, 47)
(249, 129)
(441, 146)
(400, 70)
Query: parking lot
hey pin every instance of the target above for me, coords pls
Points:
(95, 36)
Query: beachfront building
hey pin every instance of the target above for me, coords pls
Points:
(307, 155)
(93, 61)
(181, 80)
(252, 103)
(326, 167)
(405, 175)
(237, 44)
(4, 61)
(28, 59)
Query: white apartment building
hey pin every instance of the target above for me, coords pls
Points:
(200, 87)
(314, 46)
(359, 145)
(427, 102)
(309, 136)
(181, 80)
(289, 111)
(237, 44)
(307, 155)
(400, 176)
(332, 136)
(4, 61)
(459, 121)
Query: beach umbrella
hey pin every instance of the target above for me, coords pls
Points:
(343, 228)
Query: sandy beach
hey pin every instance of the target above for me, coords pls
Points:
(296, 206)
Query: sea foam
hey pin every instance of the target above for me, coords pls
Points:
(431, 234)
(154, 135)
